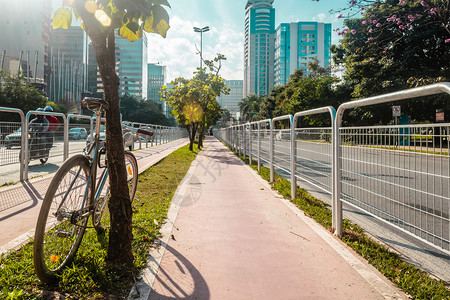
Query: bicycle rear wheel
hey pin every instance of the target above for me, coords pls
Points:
(101, 217)
(60, 226)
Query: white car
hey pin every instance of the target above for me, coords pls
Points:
(77, 133)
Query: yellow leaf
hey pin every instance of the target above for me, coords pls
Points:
(125, 32)
(162, 28)
(62, 18)
(113, 7)
(148, 24)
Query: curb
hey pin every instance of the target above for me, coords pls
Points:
(143, 287)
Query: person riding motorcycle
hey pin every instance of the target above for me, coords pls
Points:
(52, 128)
(39, 126)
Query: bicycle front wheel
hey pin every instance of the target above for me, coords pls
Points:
(101, 216)
(132, 173)
(62, 219)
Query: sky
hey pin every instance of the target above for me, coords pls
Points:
(226, 36)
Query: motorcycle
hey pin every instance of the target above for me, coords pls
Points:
(39, 144)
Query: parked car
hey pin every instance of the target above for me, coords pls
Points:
(77, 133)
(13, 139)
(284, 134)
(128, 139)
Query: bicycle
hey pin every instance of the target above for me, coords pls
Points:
(75, 193)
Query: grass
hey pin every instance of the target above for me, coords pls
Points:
(89, 277)
(412, 280)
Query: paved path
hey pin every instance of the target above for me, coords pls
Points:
(20, 203)
(229, 236)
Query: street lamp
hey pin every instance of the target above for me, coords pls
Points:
(201, 30)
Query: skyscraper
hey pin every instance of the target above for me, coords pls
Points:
(259, 47)
(156, 79)
(297, 44)
(131, 66)
(25, 37)
(67, 64)
(231, 101)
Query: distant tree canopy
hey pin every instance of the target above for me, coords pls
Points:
(383, 53)
(302, 92)
(17, 93)
(387, 45)
(194, 102)
(143, 111)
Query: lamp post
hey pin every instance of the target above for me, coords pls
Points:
(201, 30)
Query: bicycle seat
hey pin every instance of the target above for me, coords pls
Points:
(93, 103)
(145, 132)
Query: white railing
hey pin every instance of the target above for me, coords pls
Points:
(69, 139)
(397, 174)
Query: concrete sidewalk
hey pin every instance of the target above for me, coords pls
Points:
(21, 202)
(229, 236)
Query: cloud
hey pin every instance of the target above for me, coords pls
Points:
(179, 53)
(320, 17)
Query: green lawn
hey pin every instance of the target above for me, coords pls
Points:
(89, 277)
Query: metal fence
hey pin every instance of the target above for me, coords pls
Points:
(398, 174)
(72, 136)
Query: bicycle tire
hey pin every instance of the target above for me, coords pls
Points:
(100, 218)
(131, 166)
(58, 237)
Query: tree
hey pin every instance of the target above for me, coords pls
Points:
(250, 106)
(142, 111)
(194, 102)
(17, 93)
(100, 19)
(395, 45)
(403, 13)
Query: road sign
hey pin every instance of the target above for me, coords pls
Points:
(396, 111)
(440, 116)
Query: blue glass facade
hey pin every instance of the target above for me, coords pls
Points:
(131, 66)
(259, 47)
(297, 44)
(282, 53)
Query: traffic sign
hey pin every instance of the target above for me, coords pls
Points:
(396, 111)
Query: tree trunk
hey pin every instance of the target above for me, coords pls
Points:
(192, 130)
(201, 135)
(120, 235)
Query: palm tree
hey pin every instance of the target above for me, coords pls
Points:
(250, 105)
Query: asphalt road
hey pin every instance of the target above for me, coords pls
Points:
(407, 189)
(9, 160)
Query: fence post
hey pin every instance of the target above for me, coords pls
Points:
(293, 155)
(259, 146)
(271, 145)
(250, 144)
(244, 145)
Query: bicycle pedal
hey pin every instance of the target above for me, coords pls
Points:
(63, 234)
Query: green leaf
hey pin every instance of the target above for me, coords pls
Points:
(62, 18)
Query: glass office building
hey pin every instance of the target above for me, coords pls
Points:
(131, 66)
(24, 41)
(297, 44)
(156, 79)
(231, 101)
(72, 62)
(259, 47)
